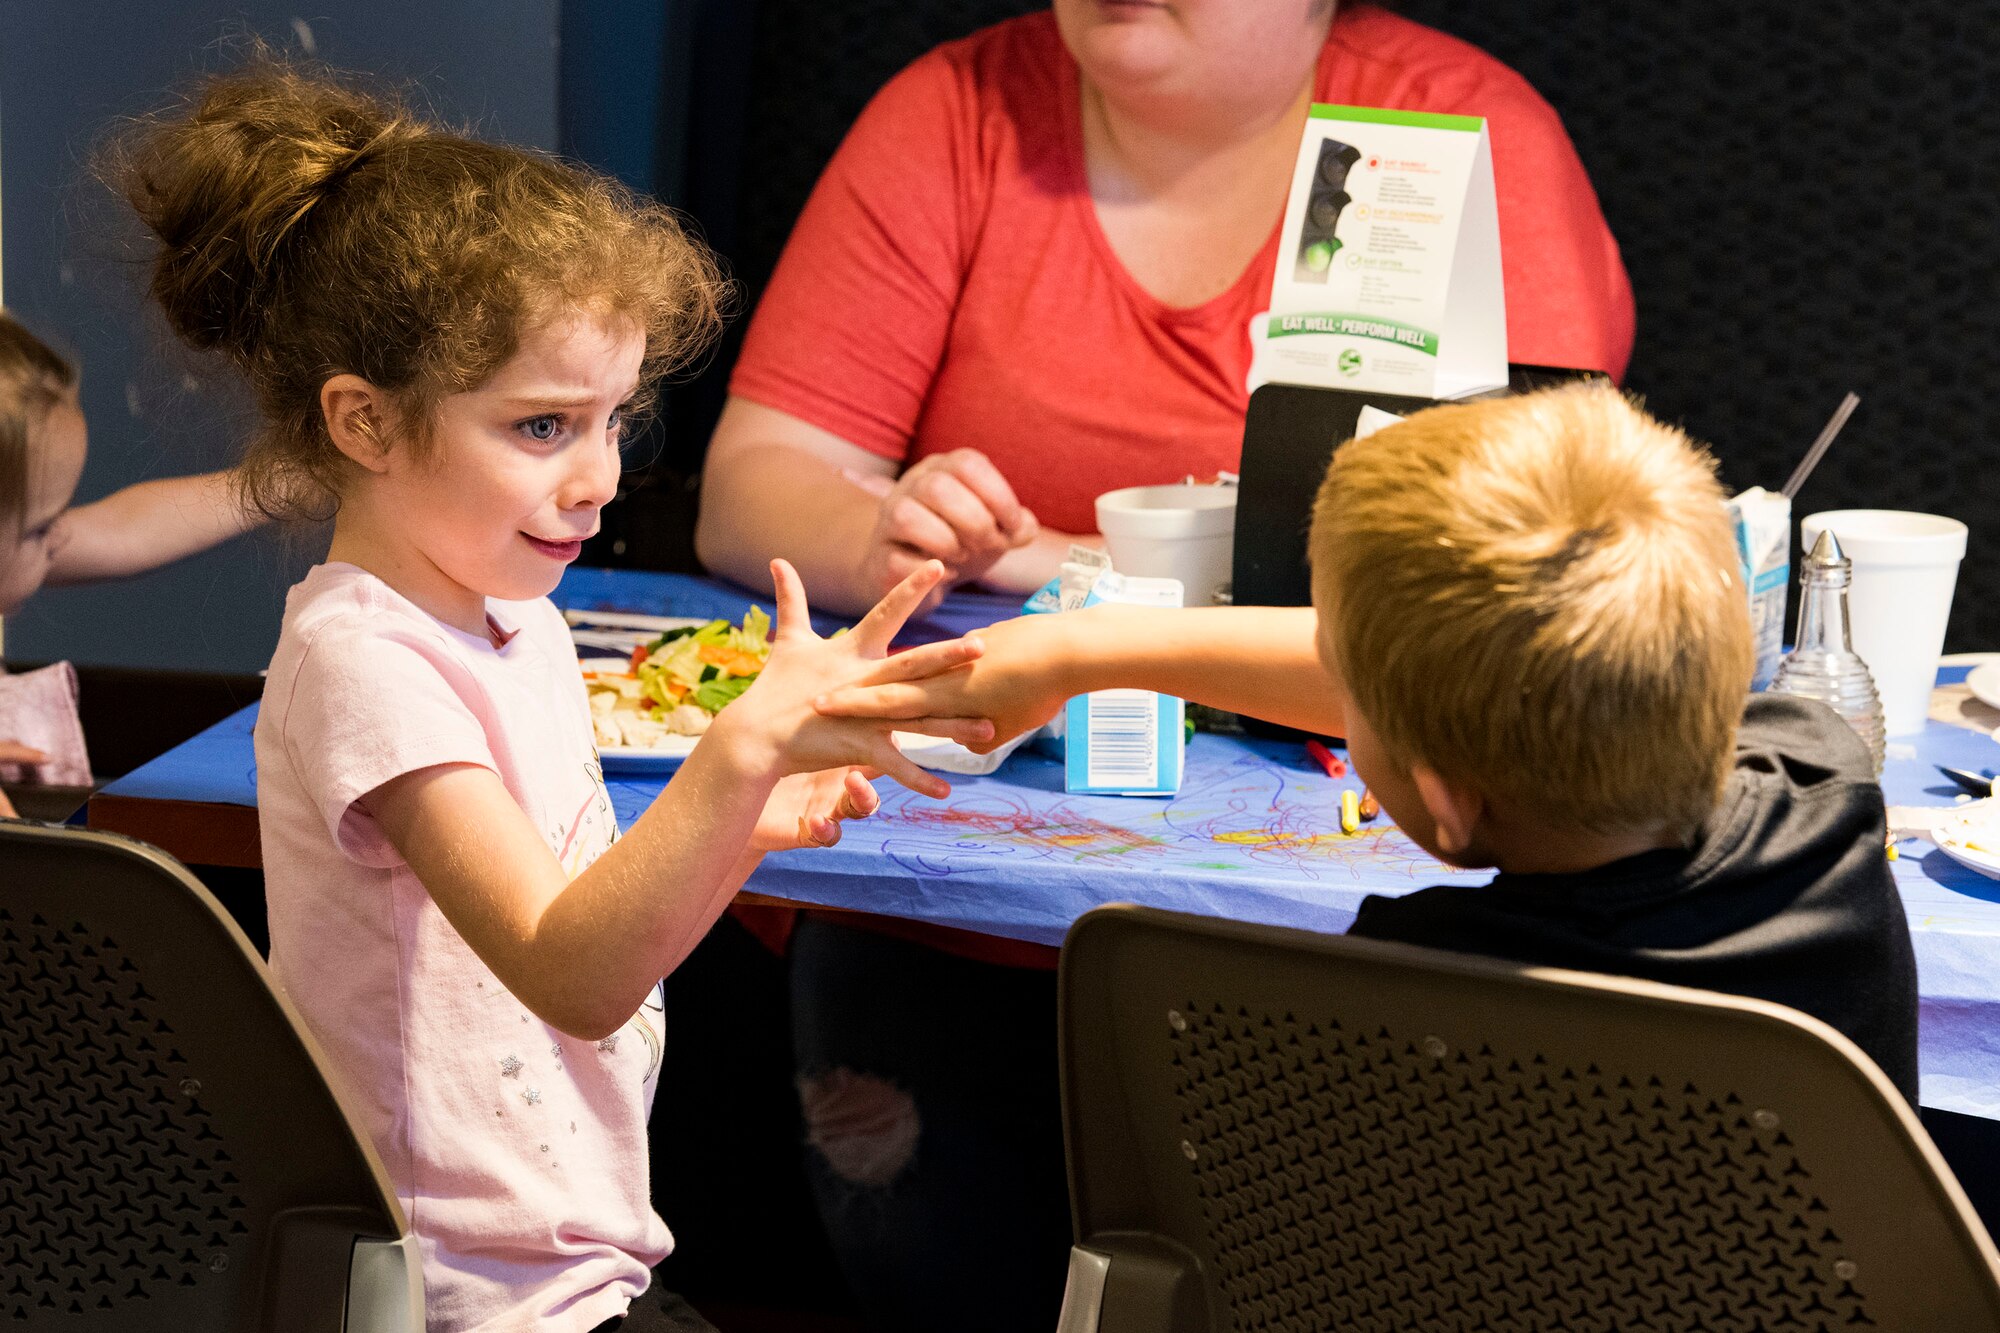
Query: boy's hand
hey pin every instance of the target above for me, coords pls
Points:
(806, 809)
(775, 719)
(1019, 682)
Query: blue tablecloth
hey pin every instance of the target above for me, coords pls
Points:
(1254, 835)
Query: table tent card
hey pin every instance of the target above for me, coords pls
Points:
(1388, 275)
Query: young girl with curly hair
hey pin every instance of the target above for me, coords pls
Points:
(444, 338)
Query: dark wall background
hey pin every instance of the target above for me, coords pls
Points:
(67, 69)
(1805, 198)
(1804, 195)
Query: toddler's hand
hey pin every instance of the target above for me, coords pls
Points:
(13, 752)
(775, 719)
(806, 809)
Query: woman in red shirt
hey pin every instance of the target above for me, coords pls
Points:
(1025, 279)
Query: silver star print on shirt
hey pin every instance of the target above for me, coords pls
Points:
(609, 1045)
(533, 1096)
(510, 1067)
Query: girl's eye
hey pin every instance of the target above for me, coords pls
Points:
(542, 429)
(617, 421)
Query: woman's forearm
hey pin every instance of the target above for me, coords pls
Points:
(1026, 568)
(763, 501)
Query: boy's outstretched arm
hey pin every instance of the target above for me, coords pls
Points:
(1257, 660)
(148, 525)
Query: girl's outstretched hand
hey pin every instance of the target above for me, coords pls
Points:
(775, 721)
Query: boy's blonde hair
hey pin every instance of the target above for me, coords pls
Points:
(33, 379)
(1540, 596)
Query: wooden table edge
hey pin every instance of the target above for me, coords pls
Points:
(204, 833)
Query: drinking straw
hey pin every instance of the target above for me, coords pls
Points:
(1822, 444)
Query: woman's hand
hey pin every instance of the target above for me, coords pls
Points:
(1027, 670)
(954, 508)
(774, 726)
(806, 809)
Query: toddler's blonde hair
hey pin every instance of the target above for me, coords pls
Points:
(33, 379)
(1540, 596)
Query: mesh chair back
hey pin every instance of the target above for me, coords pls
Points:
(1274, 1130)
(173, 1157)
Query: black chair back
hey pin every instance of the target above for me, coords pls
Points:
(1274, 1130)
(172, 1153)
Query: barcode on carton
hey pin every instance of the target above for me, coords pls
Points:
(1124, 738)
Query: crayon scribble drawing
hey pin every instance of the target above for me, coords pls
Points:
(1254, 815)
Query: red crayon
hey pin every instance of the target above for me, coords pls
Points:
(1334, 765)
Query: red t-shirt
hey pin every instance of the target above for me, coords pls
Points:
(948, 285)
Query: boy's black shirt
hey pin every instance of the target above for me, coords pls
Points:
(1785, 896)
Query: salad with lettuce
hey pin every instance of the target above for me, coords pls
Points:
(676, 684)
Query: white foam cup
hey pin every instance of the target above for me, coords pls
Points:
(1905, 567)
(1172, 532)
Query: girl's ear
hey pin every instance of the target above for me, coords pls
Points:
(1455, 810)
(355, 413)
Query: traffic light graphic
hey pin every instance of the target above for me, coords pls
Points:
(1328, 195)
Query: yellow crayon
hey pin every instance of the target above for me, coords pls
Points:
(1350, 812)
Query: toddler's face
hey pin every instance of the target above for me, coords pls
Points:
(522, 465)
(55, 463)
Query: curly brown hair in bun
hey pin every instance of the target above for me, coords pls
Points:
(308, 227)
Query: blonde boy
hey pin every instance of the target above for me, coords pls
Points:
(1531, 628)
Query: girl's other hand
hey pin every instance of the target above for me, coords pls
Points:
(775, 720)
(806, 809)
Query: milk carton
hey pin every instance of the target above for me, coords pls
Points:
(1115, 742)
(1764, 550)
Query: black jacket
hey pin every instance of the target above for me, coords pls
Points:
(1785, 896)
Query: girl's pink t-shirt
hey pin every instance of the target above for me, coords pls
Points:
(519, 1153)
(948, 285)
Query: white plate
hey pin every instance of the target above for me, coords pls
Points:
(621, 632)
(1984, 682)
(631, 621)
(632, 761)
(624, 631)
(1978, 823)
